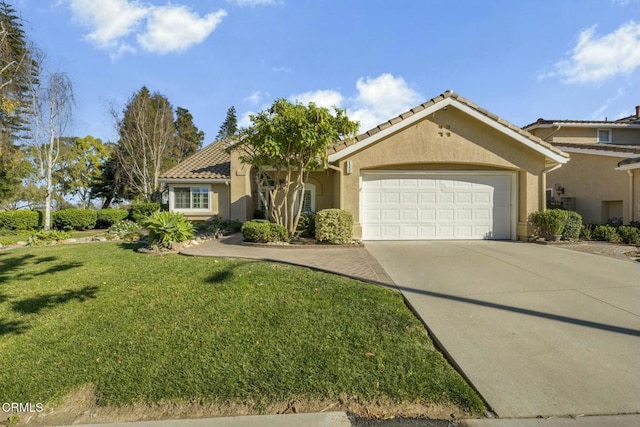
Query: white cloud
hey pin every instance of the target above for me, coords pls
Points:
(322, 98)
(380, 99)
(245, 121)
(253, 3)
(158, 29)
(256, 97)
(176, 28)
(595, 59)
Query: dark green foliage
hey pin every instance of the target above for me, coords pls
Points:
(107, 217)
(629, 235)
(259, 214)
(47, 236)
(586, 231)
(138, 212)
(20, 220)
(235, 225)
(188, 138)
(334, 226)
(307, 225)
(74, 219)
(166, 228)
(572, 226)
(230, 125)
(606, 233)
(264, 231)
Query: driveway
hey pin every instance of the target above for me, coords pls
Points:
(538, 330)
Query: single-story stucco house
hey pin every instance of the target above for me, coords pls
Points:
(446, 169)
(602, 180)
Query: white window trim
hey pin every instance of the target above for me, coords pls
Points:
(311, 188)
(189, 210)
(610, 136)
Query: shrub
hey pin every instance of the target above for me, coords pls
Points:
(550, 222)
(74, 219)
(606, 233)
(629, 235)
(108, 217)
(166, 228)
(138, 212)
(334, 226)
(20, 220)
(125, 230)
(263, 231)
(43, 237)
(586, 232)
(572, 226)
(235, 225)
(307, 225)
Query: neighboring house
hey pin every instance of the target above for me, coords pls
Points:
(602, 180)
(446, 169)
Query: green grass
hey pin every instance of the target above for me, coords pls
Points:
(145, 329)
(23, 236)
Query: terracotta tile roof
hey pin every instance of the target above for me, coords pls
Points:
(211, 162)
(629, 161)
(448, 94)
(632, 149)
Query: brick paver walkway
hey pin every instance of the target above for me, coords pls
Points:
(356, 263)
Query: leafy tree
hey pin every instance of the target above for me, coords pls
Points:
(188, 138)
(80, 162)
(109, 184)
(229, 127)
(146, 132)
(283, 145)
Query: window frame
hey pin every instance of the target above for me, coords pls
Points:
(191, 188)
(609, 141)
(311, 188)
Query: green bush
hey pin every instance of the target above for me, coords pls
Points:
(166, 228)
(586, 232)
(108, 217)
(572, 226)
(334, 226)
(606, 233)
(138, 212)
(235, 225)
(263, 231)
(74, 219)
(629, 235)
(125, 230)
(550, 222)
(20, 220)
(307, 225)
(43, 237)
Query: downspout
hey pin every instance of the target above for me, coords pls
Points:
(631, 201)
(543, 189)
(228, 184)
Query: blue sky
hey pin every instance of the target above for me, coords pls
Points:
(577, 59)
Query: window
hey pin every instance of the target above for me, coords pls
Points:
(308, 199)
(191, 198)
(604, 136)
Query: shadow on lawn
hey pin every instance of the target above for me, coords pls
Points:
(28, 263)
(12, 327)
(36, 304)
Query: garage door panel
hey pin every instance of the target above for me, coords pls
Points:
(437, 206)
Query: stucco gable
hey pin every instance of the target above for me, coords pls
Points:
(443, 101)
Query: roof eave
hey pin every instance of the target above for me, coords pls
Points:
(199, 180)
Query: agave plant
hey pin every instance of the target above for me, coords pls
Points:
(166, 228)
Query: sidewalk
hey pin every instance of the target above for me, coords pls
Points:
(353, 262)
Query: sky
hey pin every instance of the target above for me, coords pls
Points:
(521, 60)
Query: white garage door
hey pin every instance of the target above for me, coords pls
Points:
(436, 205)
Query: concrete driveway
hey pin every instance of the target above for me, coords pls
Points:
(538, 330)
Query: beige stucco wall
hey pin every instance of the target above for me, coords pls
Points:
(636, 195)
(241, 203)
(625, 136)
(592, 180)
(218, 201)
(448, 139)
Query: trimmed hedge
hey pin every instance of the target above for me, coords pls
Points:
(606, 233)
(572, 226)
(21, 220)
(107, 217)
(138, 212)
(334, 226)
(74, 219)
(629, 234)
(263, 231)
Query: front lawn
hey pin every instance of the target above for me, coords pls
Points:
(11, 238)
(147, 329)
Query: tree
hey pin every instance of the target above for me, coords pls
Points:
(188, 138)
(50, 110)
(16, 70)
(283, 145)
(109, 184)
(146, 132)
(80, 162)
(229, 127)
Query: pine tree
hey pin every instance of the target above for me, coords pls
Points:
(230, 125)
(188, 137)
